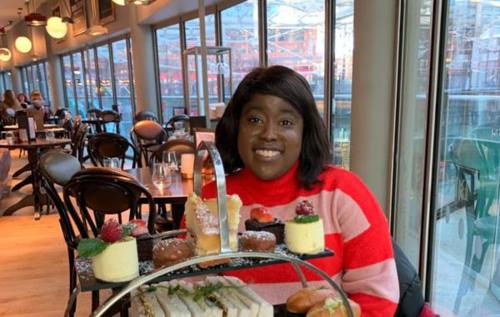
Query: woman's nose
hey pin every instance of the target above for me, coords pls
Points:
(269, 131)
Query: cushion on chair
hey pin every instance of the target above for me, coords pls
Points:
(59, 166)
(148, 129)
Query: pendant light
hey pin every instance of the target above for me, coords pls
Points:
(56, 28)
(5, 53)
(34, 18)
(22, 43)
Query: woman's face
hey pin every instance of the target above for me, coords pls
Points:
(21, 98)
(270, 136)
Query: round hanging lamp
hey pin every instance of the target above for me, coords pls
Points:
(56, 27)
(119, 2)
(23, 44)
(5, 54)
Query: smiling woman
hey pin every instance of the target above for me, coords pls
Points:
(274, 145)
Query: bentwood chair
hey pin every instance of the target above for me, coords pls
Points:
(178, 146)
(110, 145)
(146, 135)
(145, 115)
(95, 193)
(110, 117)
(181, 118)
(57, 167)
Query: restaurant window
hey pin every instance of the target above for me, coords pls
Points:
(342, 82)
(289, 19)
(465, 258)
(240, 32)
(192, 31)
(34, 77)
(100, 77)
(5, 81)
(170, 69)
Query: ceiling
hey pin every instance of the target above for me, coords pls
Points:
(8, 10)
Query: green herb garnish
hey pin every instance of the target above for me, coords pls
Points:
(91, 247)
(306, 219)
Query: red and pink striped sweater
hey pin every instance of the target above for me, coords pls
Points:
(355, 229)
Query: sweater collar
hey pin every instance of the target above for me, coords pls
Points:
(284, 183)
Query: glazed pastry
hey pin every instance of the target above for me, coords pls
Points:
(262, 241)
(170, 251)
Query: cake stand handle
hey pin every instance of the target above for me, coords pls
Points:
(220, 181)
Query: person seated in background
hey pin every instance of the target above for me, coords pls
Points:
(8, 108)
(275, 150)
(38, 103)
(37, 109)
(23, 100)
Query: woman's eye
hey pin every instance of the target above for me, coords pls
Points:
(286, 123)
(254, 120)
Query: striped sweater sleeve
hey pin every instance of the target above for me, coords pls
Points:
(369, 270)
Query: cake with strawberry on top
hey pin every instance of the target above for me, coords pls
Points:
(262, 220)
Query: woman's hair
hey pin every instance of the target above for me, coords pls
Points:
(23, 95)
(9, 98)
(287, 84)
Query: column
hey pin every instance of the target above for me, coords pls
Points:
(372, 94)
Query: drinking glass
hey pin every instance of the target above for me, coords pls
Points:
(111, 162)
(49, 135)
(161, 176)
(170, 159)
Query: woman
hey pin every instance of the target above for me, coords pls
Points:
(274, 147)
(39, 105)
(9, 107)
(23, 100)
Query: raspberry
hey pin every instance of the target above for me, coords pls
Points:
(304, 208)
(111, 231)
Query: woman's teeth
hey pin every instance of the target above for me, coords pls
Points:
(267, 153)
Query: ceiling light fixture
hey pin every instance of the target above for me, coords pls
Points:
(56, 28)
(5, 54)
(23, 44)
(34, 18)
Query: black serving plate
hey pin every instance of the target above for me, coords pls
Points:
(88, 282)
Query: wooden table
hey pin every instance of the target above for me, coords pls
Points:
(33, 148)
(15, 126)
(176, 194)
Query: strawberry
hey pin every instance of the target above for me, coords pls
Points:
(111, 231)
(304, 208)
(261, 215)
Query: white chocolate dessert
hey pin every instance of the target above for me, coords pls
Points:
(215, 297)
(304, 234)
(119, 262)
(202, 223)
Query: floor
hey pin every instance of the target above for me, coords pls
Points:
(33, 261)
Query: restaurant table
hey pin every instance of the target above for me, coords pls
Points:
(175, 195)
(33, 148)
(15, 126)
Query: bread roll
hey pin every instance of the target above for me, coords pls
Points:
(333, 307)
(306, 298)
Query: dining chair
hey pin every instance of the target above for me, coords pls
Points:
(146, 135)
(170, 125)
(95, 193)
(56, 168)
(178, 146)
(78, 138)
(145, 115)
(110, 117)
(478, 171)
(110, 145)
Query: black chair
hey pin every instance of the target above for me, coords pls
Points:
(110, 145)
(197, 122)
(179, 146)
(104, 192)
(170, 125)
(145, 115)
(146, 135)
(110, 117)
(57, 167)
